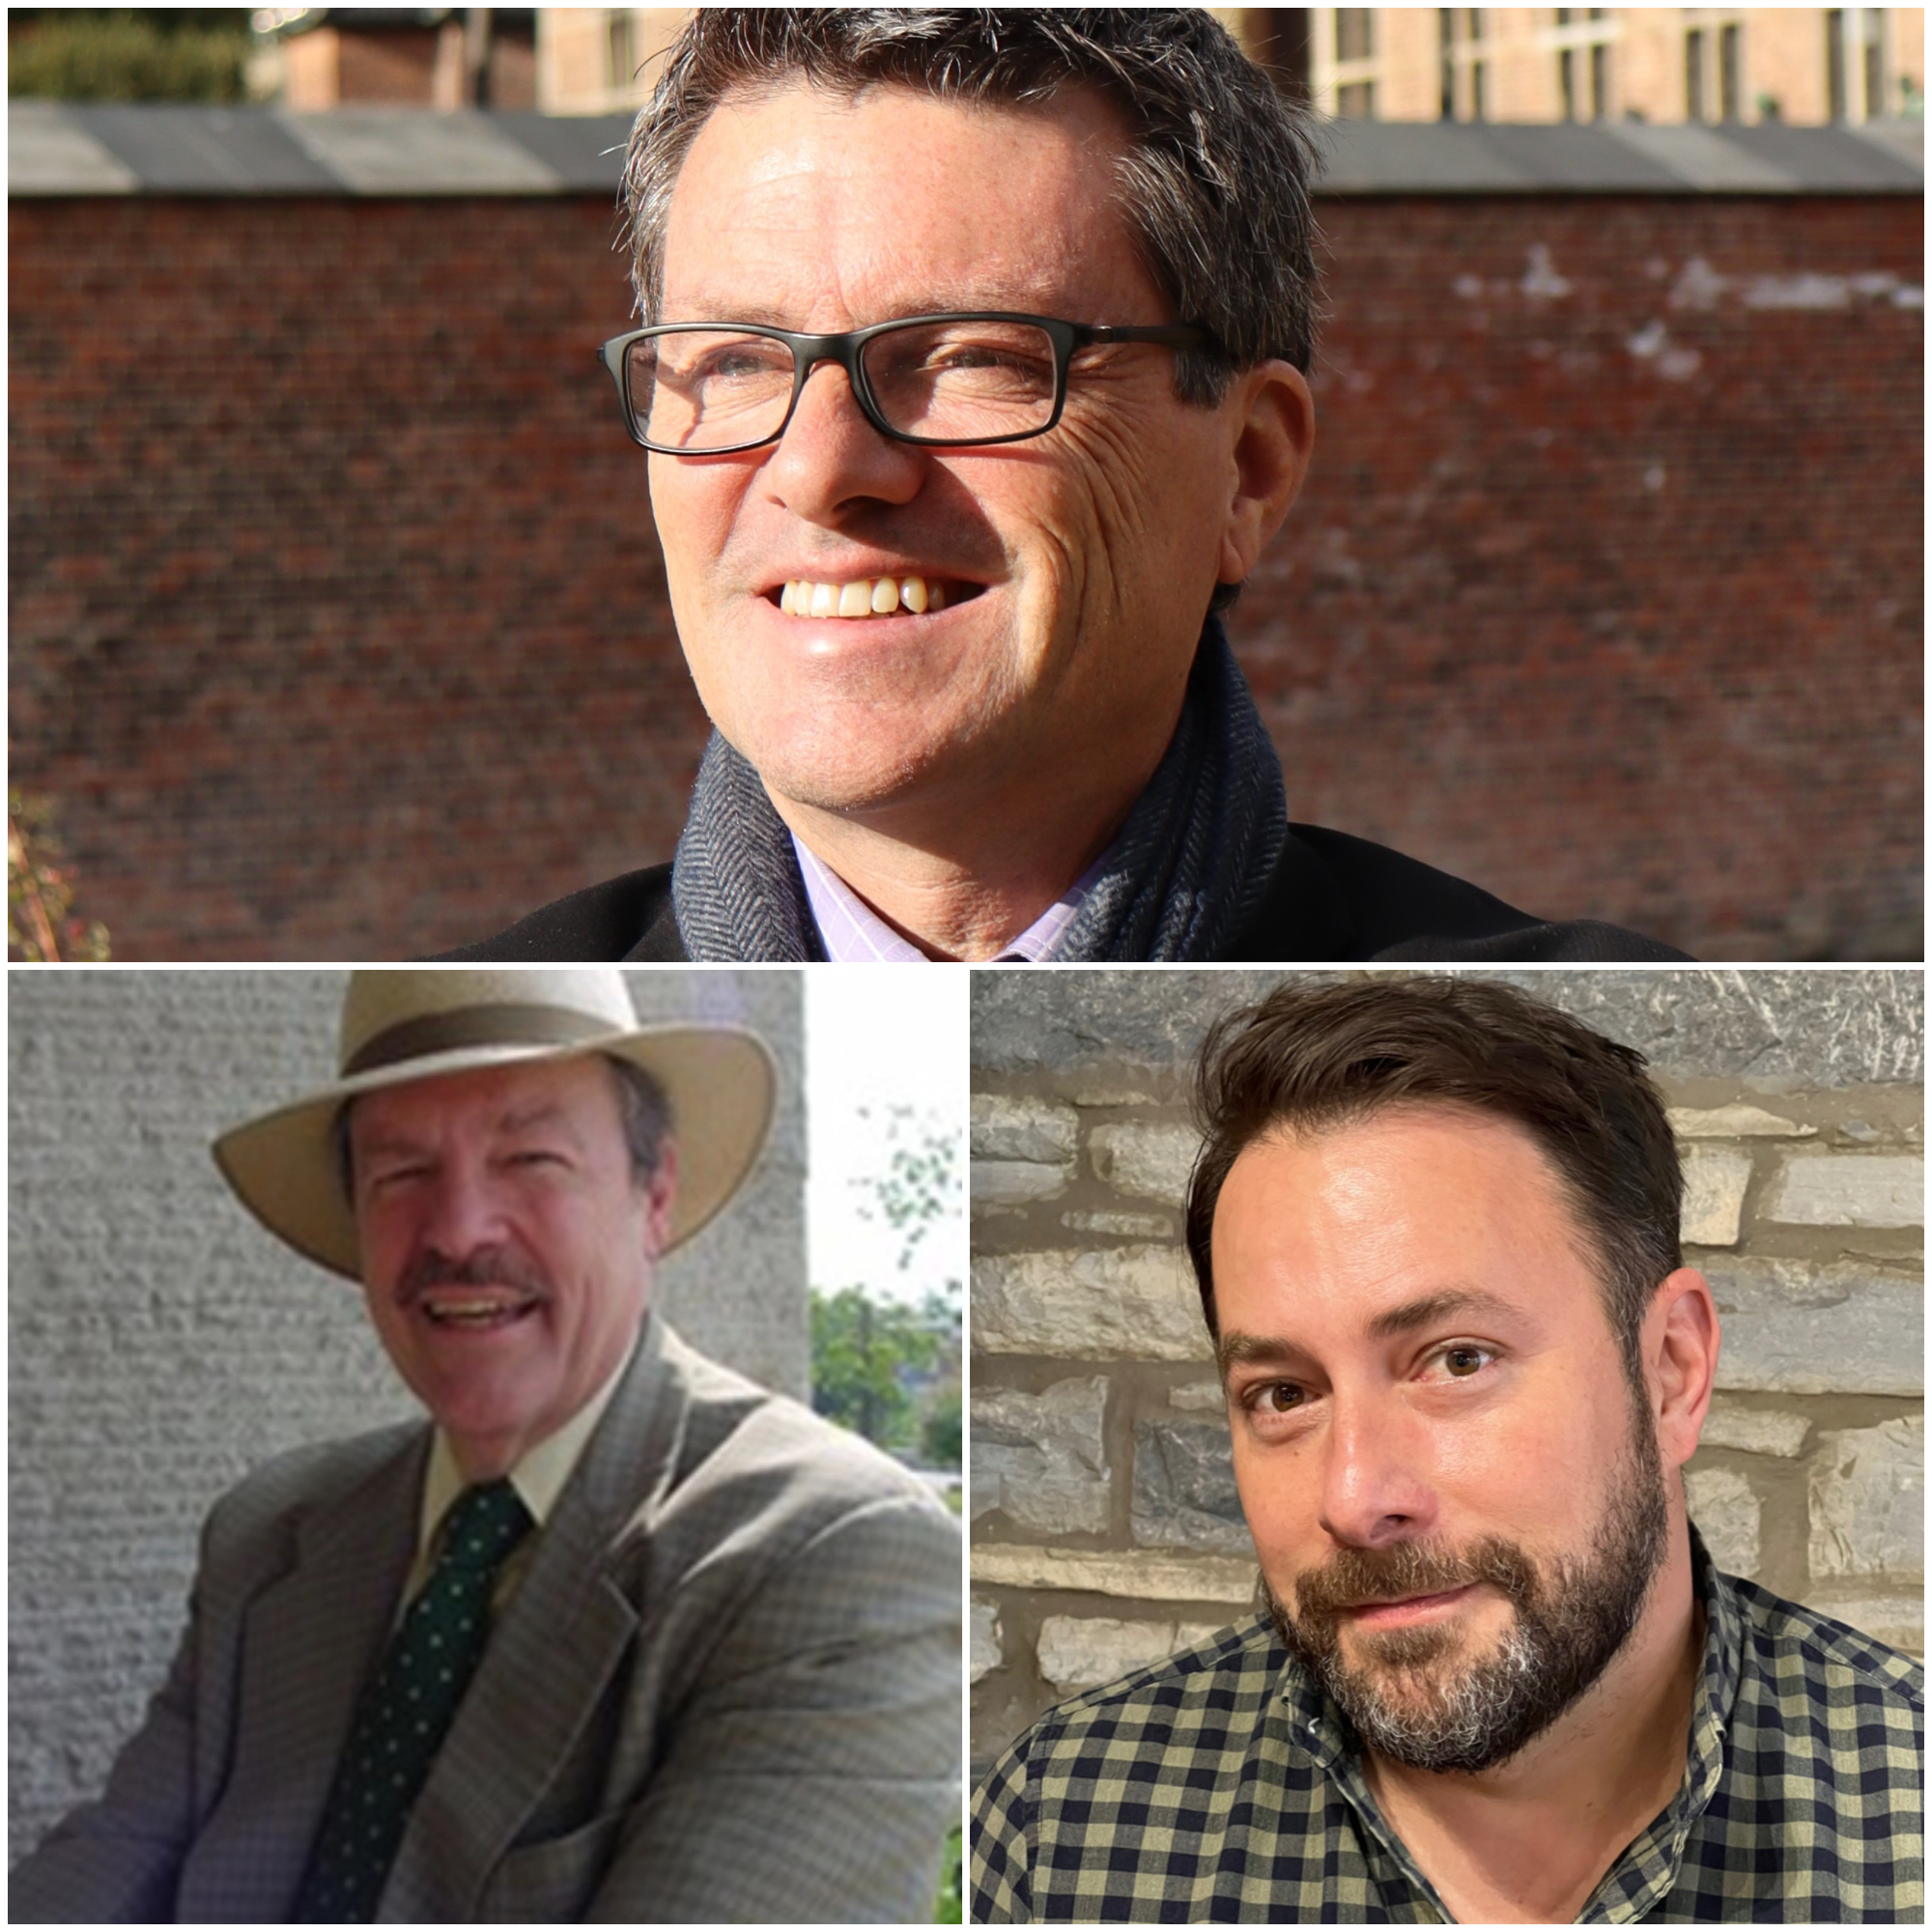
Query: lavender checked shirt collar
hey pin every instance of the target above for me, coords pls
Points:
(851, 930)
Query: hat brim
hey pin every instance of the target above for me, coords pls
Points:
(720, 1083)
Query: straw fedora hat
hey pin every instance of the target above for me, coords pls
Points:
(415, 1025)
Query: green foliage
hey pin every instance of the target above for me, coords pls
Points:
(950, 1910)
(870, 1360)
(919, 1190)
(940, 1437)
(125, 53)
(882, 1366)
(40, 923)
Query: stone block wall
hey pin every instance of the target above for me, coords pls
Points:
(161, 1342)
(1106, 1528)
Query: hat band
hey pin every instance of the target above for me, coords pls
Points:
(475, 1026)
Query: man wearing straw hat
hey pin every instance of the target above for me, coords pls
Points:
(619, 1635)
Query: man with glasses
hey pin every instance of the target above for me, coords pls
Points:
(973, 386)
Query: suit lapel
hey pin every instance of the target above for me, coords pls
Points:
(1302, 914)
(308, 1644)
(661, 939)
(561, 1639)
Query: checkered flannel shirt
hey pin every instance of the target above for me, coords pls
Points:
(1222, 1786)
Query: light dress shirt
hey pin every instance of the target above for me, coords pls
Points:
(538, 1480)
(853, 931)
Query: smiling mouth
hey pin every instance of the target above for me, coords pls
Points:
(478, 1310)
(872, 596)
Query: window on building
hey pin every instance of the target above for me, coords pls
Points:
(1583, 62)
(1872, 20)
(623, 50)
(1834, 63)
(1731, 74)
(1354, 50)
(1694, 74)
(1458, 43)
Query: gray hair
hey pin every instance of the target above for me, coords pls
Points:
(1214, 182)
(642, 1108)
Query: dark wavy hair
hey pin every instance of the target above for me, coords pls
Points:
(1321, 1055)
(1214, 181)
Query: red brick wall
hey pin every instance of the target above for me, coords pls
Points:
(338, 625)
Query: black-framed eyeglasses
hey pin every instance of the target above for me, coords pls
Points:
(951, 381)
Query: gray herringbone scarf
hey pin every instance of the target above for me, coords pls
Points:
(1186, 873)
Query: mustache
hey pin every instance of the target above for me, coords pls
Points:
(1353, 1576)
(492, 1266)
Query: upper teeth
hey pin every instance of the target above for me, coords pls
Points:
(447, 1306)
(863, 597)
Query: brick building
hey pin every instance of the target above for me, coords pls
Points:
(309, 59)
(1106, 1530)
(338, 626)
(1803, 64)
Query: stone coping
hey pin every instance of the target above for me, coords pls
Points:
(58, 148)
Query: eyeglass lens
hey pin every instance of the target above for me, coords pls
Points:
(948, 382)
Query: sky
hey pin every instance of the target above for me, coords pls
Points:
(876, 1036)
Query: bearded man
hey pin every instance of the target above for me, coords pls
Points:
(974, 383)
(1497, 1677)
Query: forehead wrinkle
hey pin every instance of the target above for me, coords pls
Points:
(861, 201)
(519, 1119)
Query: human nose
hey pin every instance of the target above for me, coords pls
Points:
(831, 458)
(1377, 1479)
(461, 1211)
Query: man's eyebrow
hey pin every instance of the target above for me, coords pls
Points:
(1236, 1347)
(765, 315)
(1426, 1309)
(759, 314)
(536, 1114)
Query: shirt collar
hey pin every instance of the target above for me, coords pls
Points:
(1644, 1873)
(538, 1477)
(851, 930)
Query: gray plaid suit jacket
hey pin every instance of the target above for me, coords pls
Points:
(726, 1689)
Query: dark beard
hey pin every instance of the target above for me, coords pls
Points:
(1567, 1629)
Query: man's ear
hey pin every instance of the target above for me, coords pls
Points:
(1680, 1338)
(1273, 415)
(660, 1192)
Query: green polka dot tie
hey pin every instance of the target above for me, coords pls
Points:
(406, 1713)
